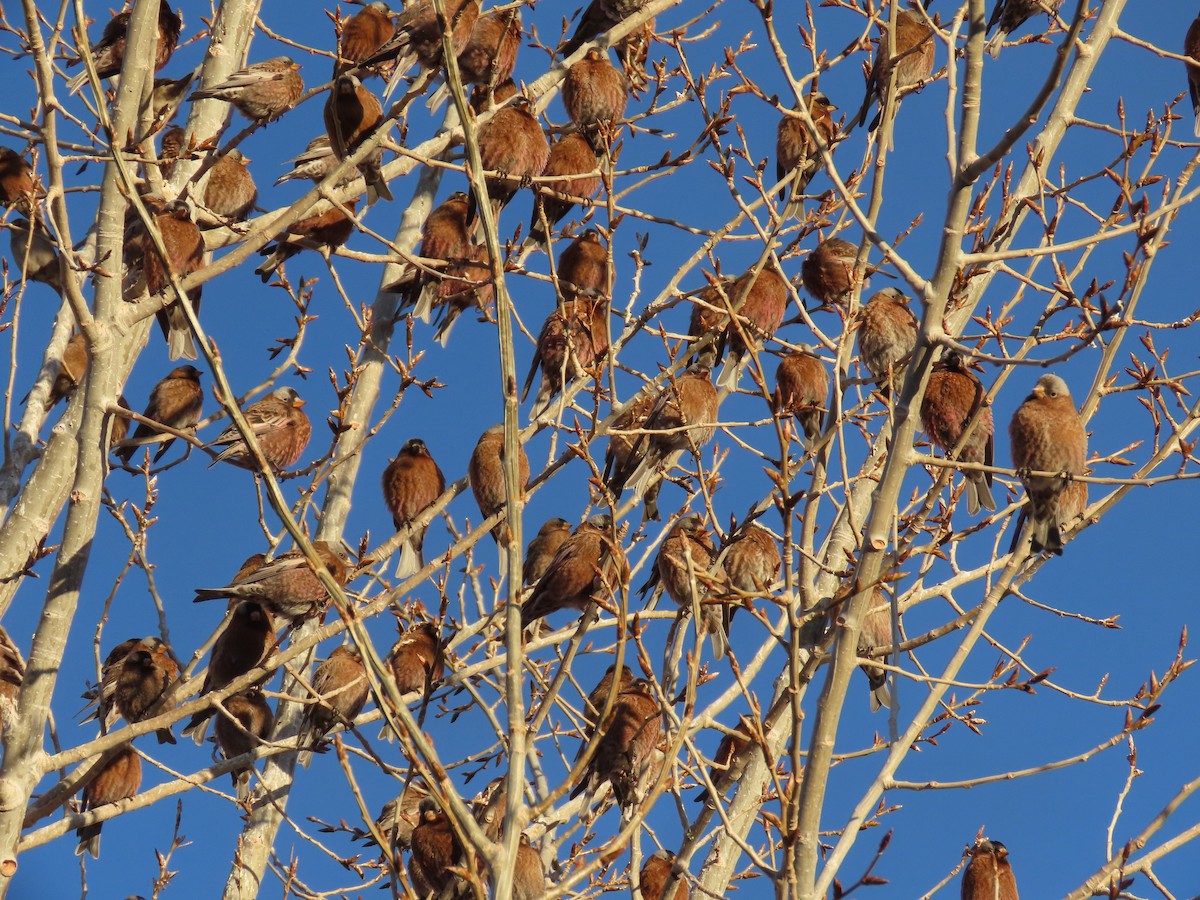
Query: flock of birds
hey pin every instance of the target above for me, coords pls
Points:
(564, 568)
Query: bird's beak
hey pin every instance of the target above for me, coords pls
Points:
(297, 403)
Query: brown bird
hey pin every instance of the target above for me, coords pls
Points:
(686, 569)
(184, 246)
(246, 642)
(798, 154)
(411, 483)
(417, 660)
(626, 746)
(280, 426)
(529, 877)
(35, 253)
(314, 164)
(287, 586)
(362, 36)
(174, 141)
(262, 92)
(887, 334)
(138, 679)
(875, 631)
(760, 300)
(1072, 504)
(490, 54)
(1047, 435)
(599, 17)
(912, 64)
(598, 700)
(108, 54)
(17, 187)
(444, 236)
(683, 418)
(828, 272)
(324, 232)
(584, 269)
(341, 690)
(352, 115)
(542, 549)
(165, 98)
(571, 341)
(752, 561)
(247, 722)
(485, 97)
(801, 390)
(229, 191)
(989, 874)
(1191, 49)
(175, 401)
(71, 370)
(485, 472)
(589, 565)
(435, 848)
(120, 426)
(401, 815)
(118, 780)
(953, 398)
(624, 435)
(726, 769)
(512, 144)
(654, 875)
(467, 285)
(572, 163)
(12, 673)
(594, 93)
(418, 37)
(1011, 15)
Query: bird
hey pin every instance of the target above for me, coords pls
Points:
(684, 417)
(485, 473)
(401, 815)
(444, 236)
(752, 561)
(599, 17)
(828, 272)
(17, 187)
(352, 116)
(485, 97)
(1046, 434)
(174, 141)
(314, 164)
(801, 390)
(589, 565)
(1011, 15)
(418, 37)
(594, 94)
(513, 145)
(656, 871)
(529, 877)
(176, 401)
(411, 483)
(725, 768)
(989, 874)
(798, 154)
(229, 191)
(541, 550)
(136, 673)
(362, 35)
(434, 849)
(687, 570)
(603, 695)
(887, 334)
(624, 436)
(35, 253)
(184, 254)
(246, 722)
(467, 284)
(12, 673)
(1191, 49)
(280, 427)
(262, 91)
(572, 165)
(417, 660)
(247, 641)
(912, 64)
(120, 426)
(953, 398)
(759, 298)
(341, 688)
(324, 232)
(490, 53)
(108, 54)
(71, 370)
(875, 631)
(625, 744)
(118, 780)
(573, 338)
(287, 586)
(584, 268)
(165, 98)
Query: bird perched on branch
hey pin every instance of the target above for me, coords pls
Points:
(625, 745)
(411, 483)
(247, 722)
(363, 34)
(262, 91)
(953, 398)
(599, 17)
(286, 586)
(989, 874)
(324, 232)
(278, 424)
(341, 690)
(572, 339)
(828, 272)
(584, 269)
(594, 94)
(17, 187)
(798, 154)
(589, 565)
(418, 37)
(1011, 15)
(108, 54)
(875, 631)
(572, 162)
(183, 246)
(542, 549)
(118, 780)
(485, 473)
(655, 874)
(229, 190)
(802, 390)
(35, 253)
(134, 676)
(417, 660)
(752, 562)
(513, 145)
(314, 164)
(352, 116)
(176, 402)
(912, 64)
(490, 53)
(725, 769)
(1191, 49)
(887, 334)
(758, 299)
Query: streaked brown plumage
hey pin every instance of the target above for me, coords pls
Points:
(174, 140)
(484, 97)
(120, 425)
(828, 271)
(252, 722)
(401, 815)
(176, 401)
(989, 874)
(418, 37)
(165, 98)
(801, 390)
(599, 17)
(543, 547)
(35, 253)
(108, 54)
(752, 561)
(362, 36)
(411, 483)
(485, 472)
(17, 187)
(1191, 49)
(229, 190)
(759, 299)
(352, 115)
(597, 700)
(686, 570)
(467, 285)
(141, 678)
(529, 878)
(887, 334)
(726, 767)
(490, 53)
(572, 339)
(314, 164)
(324, 232)
(287, 586)
(435, 848)
(118, 780)
(1011, 15)
(342, 689)
(573, 161)
(246, 642)
(798, 155)
(1046, 434)
(184, 246)
(71, 370)
(280, 426)
(12, 672)
(583, 268)
(953, 396)
(913, 63)
(262, 92)
(594, 93)
(626, 745)
(444, 236)
(875, 631)
(654, 875)
(589, 565)
(623, 433)
(512, 144)
(417, 660)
